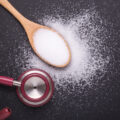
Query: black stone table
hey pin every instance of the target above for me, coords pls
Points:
(102, 101)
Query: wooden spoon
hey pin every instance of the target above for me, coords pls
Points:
(30, 28)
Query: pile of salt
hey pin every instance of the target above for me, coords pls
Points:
(51, 47)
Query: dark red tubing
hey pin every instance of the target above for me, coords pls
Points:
(6, 81)
(5, 113)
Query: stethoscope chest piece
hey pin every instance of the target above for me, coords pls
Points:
(36, 87)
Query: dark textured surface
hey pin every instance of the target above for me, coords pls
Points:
(101, 102)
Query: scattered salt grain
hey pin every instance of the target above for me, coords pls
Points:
(51, 47)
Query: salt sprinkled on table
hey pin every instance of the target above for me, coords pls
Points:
(87, 52)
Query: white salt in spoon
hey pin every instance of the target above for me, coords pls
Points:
(49, 45)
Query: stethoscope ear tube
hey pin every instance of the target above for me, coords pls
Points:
(5, 113)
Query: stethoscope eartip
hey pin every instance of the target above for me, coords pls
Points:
(5, 113)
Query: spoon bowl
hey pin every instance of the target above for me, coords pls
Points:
(30, 33)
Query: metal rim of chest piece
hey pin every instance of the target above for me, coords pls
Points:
(36, 87)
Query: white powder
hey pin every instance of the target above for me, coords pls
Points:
(51, 47)
(88, 51)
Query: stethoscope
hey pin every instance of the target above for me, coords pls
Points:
(34, 87)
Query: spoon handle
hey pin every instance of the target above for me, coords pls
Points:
(13, 11)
